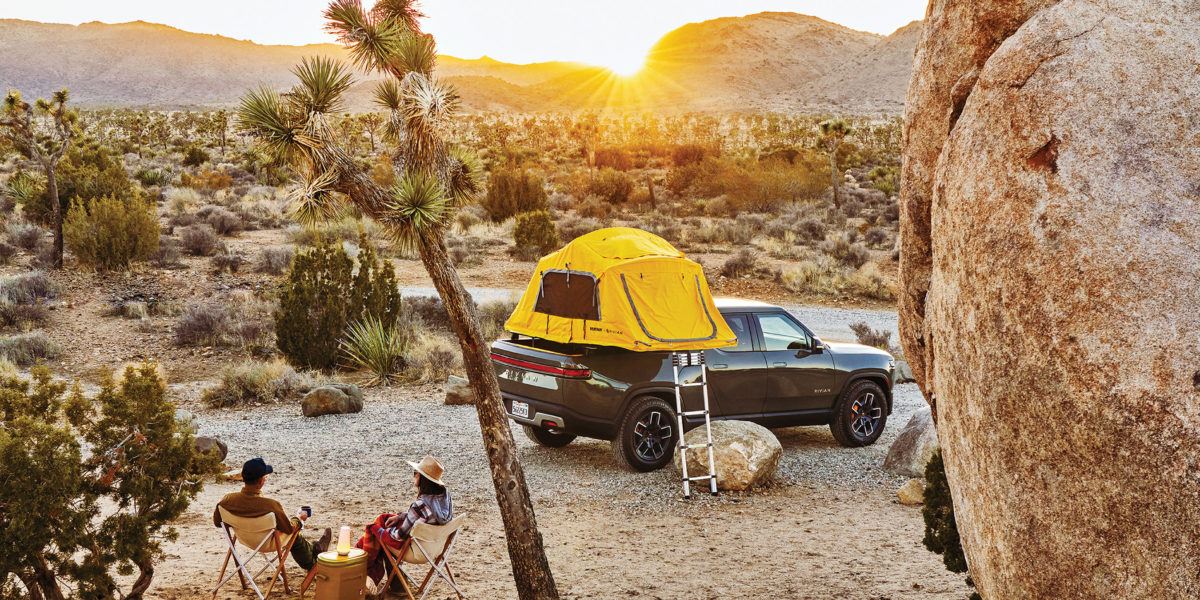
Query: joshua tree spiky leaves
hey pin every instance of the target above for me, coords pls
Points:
(42, 132)
(433, 178)
(833, 133)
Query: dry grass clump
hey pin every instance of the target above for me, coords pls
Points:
(570, 228)
(25, 235)
(742, 263)
(870, 337)
(242, 321)
(227, 261)
(492, 316)
(431, 357)
(257, 382)
(466, 251)
(844, 250)
(825, 277)
(26, 349)
(168, 255)
(199, 240)
(222, 220)
(28, 288)
(275, 261)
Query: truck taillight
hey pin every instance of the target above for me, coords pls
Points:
(580, 372)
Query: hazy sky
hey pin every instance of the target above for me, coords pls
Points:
(616, 33)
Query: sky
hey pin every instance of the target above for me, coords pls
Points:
(614, 34)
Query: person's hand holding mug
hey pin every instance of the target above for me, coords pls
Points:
(304, 513)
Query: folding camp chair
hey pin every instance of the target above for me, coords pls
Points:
(258, 534)
(428, 544)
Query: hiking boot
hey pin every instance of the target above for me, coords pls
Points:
(397, 588)
(322, 544)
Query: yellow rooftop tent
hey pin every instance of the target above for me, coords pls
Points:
(621, 287)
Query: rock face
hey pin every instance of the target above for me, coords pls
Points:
(911, 493)
(186, 420)
(745, 454)
(913, 447)
(206, 445)
(458, 391)
(1051, 294)
(332, 399)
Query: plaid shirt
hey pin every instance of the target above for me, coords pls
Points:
(418, 512)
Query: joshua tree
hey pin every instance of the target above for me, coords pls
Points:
(42, 132)
(432, 177)
(370, 124)
(833, 133)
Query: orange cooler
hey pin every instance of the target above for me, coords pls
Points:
(340, 577)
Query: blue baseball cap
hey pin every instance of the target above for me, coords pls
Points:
(255, 468)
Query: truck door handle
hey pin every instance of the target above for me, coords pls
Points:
(779, 364)
(720, 366)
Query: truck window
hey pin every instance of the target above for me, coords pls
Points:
(781, 333)
(741, 328)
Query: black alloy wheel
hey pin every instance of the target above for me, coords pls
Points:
(647, 436)
(860, 414)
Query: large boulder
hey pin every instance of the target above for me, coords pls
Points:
(1058, 252)
(458, 391)
(207, 445)
(332, 399)
(745, 454)
(911, 450)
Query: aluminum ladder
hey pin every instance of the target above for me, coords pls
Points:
(679, 360)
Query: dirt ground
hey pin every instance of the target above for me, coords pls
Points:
(829, 527)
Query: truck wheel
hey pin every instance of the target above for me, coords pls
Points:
(550, 439)
(859, 414)
(646, 437)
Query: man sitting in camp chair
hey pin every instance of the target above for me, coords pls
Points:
(251, 503)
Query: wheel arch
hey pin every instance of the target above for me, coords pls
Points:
(877, 377)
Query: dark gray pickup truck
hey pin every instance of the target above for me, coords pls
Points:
(778, 375)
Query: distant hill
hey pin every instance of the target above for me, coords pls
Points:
(773, 61)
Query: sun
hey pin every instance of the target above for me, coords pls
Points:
(625, 64)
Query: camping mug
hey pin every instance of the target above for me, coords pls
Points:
(307, 510)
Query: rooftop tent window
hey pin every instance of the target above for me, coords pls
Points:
(568, 294)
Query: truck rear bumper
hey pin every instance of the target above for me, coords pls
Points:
(542, 413)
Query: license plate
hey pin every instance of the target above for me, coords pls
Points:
(520, 409)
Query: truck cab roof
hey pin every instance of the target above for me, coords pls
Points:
(737, 305)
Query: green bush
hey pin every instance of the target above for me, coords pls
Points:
(108, 233)
(512, 192)
(612, 186)
(323, 294)
(615, 158)
(534, 234)
(72, 521)
(86, 172)
(941, 530)
(194, 156)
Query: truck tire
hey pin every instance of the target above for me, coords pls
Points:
(859, 414)
(647, 436)
(550, 439)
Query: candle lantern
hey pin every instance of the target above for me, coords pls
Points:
(343, 545)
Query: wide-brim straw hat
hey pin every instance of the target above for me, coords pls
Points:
(429, 468)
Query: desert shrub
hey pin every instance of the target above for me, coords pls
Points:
(844, 251)
(194, 156)
(222, 220)
(109, 233)
(257, 382)
(868, 282)
(941, 530)
(323, 294)
(151, 177)
(25, 235)
(274, 261)
(534, 235)
(594, 208)
(877, 338)
(199, 240)
(810, 230)
(885, 179)
(207, 180)
(168, 254)
(23, 316)
(21, 188)
(611, 185)
(431, 358)
(369, 345)
(28, 288)
(26, 349)
(181, 200)
(425, 310)
(180, 221)
(7, 252)
(43, 255)
(242, 321)
(722, 231)
(739, 264)
(570, 228)
(492, 316)
(227, 261)
(465, 251)
(470, 215)
(614, 157)
(689, 154)
(820, 276)
(87, 172)
(91, 485)
(876, 237)
(513, 191)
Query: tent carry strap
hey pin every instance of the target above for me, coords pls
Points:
(678, 361)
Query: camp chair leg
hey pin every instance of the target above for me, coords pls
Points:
(242, 569)
(453, 583)
(224, 565)
(397, 572)
(312, 573)
(281, 569)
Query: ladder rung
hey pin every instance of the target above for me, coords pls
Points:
(697, 384)
(699, 477)
(708, 445)
(694, 413)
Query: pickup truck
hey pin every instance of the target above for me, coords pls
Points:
(778, 375)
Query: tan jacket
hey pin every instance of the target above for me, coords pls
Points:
(251, 503)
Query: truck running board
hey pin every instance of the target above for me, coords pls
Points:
(678, 361)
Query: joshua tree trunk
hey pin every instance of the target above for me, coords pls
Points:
(530, 567)
(52, 191)
(834, 176)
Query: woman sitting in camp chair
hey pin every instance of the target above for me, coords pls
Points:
(433, 506)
